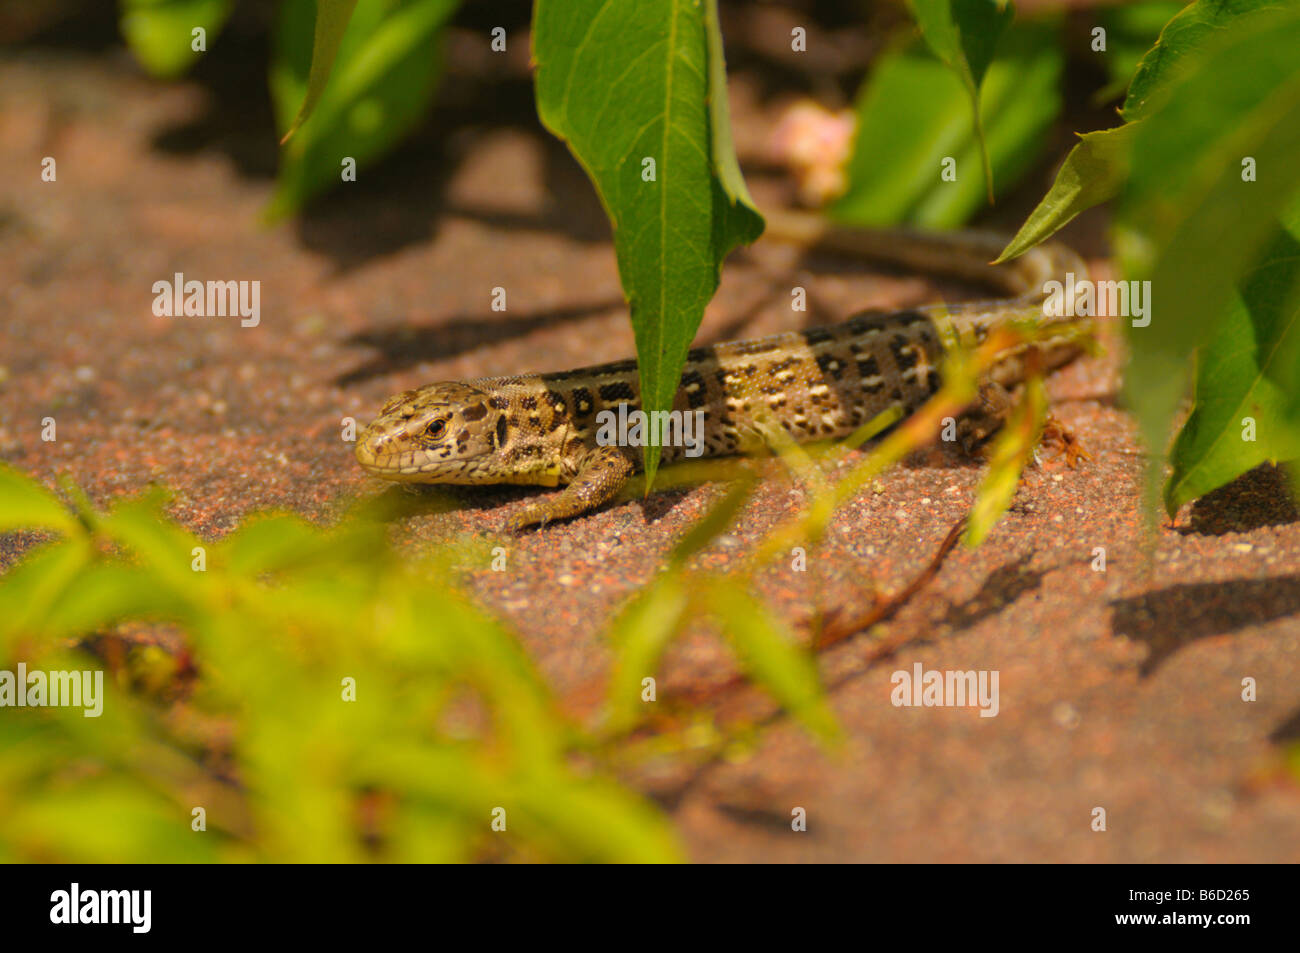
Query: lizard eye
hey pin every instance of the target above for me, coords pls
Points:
(436, 429)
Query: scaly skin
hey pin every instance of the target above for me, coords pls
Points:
(817, 384)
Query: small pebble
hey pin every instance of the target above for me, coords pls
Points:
(1066, 715)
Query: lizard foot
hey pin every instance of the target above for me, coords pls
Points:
(1058, 436)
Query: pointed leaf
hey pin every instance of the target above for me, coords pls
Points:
(636, 91)
(1094, 171)
(331, 22)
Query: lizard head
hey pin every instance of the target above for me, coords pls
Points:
(441, 433)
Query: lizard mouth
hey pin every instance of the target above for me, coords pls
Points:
(379, 459)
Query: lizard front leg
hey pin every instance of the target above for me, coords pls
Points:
(601, 474)
(984, 417)
(990, 412)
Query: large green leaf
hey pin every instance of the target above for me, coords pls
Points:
(1096, 168)
(1190, 31)
(636, 89)
(1239, 99)
(161, 32)
(1247, 380)
(964, 34)
(384, 70)
(914, 112)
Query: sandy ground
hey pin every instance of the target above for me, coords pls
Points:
(1119, 689)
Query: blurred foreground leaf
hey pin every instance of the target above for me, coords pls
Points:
(342, 704)
(161, 33)
(914, 115)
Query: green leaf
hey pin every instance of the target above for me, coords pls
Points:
(1184, 35)
(166, 548)
(160, 32)
(736, 218)
(914, 113)
(598, 822)
(105, 595)
(276, 543)
(30, 589)
(1131, 30)
(330, 23)
(964, 34)
(25, 504)
(1093, 172)
(105, 821)
(385, 69)
(767, 651)
(1250, 369)
(636, 91)
(1186, 193)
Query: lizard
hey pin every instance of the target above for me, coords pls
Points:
(818, 384)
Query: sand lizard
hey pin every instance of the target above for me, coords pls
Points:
(819, 383)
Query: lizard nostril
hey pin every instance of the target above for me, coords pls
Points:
(369, 446)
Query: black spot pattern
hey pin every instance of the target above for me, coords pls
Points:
(582, 405)
(831, 365)
(696, 397)
(905, 357)
(611, 393)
